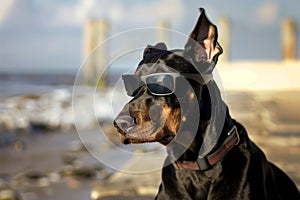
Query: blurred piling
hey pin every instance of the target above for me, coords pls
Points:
(224, 38)
(289, 40)
(163, 31)
(95, 52)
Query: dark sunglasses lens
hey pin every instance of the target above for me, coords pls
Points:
(131, 84)
(160, 84)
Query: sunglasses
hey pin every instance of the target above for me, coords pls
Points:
(161, 84)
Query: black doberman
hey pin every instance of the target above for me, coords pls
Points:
(178, 104)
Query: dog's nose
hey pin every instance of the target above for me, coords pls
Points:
(123, 123)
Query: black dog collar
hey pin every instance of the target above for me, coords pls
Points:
(212, 158)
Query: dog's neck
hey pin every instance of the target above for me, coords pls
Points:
(214, 124)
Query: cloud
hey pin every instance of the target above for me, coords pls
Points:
(268, 12)
(121, 12)
(74, 14)
(170, 10)
(5, 7)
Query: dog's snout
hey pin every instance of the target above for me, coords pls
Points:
(123, 123)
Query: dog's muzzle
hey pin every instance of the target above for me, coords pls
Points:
(147, 131)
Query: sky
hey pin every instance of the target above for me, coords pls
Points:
(38, 36)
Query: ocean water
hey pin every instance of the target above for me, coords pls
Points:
(19, 84)
(55, 96)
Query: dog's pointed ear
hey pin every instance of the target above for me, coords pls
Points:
(202, 46)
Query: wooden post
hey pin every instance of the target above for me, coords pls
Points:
(162, 32)
(289, 40)
(96, 32)
(224, 38)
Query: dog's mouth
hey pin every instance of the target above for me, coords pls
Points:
(132, 139)
(138, 134)
(151, 132)
(166, 139)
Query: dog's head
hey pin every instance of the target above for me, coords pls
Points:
(162, 77)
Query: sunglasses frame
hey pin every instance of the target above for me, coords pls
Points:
(203, 79)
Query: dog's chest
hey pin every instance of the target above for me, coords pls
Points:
(193, 181)
(198, 183)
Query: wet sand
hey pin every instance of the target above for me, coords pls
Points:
(45, 167)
